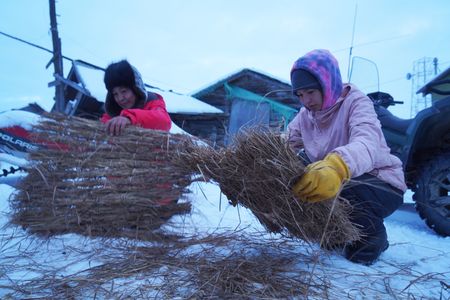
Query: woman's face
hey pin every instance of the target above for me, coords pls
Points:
(124, 96)
(312, 99)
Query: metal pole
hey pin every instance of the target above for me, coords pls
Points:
(57, 60)
(351, 45)
(435, 64)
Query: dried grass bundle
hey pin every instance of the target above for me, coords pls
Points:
(257, 171)
(88, 182)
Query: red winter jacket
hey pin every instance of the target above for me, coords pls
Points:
(152, 116)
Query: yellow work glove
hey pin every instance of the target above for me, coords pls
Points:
(322, 179)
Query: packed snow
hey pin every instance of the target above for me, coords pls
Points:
(415, 266)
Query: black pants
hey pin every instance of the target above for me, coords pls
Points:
(372, 201)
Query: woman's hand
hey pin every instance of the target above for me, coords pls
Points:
(323, 179)
(116, 125)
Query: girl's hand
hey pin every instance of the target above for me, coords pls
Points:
(116, 125)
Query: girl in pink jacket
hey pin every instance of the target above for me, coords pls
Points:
(338, 130)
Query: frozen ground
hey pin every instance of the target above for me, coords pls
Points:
(416, 265)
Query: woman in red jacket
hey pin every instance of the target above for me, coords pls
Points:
(128, 103)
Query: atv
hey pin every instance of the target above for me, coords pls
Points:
(423, 145)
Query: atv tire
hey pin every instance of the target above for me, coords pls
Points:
(433, 194)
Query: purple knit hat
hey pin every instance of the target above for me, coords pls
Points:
(324, 66)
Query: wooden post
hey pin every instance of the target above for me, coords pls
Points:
(57, 60)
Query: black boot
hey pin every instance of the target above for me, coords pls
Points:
(368, 249)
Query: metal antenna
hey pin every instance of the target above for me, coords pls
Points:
(351, 45)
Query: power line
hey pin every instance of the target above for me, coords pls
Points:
(65, 57)
(32, 44)
(372, 42)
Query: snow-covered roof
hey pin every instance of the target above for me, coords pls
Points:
(92, 80)
(184, 104)
(236, 74)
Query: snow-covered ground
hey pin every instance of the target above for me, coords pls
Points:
(416, 265)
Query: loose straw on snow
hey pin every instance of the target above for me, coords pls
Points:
(85, 181)
(257, 171)
(219, 266)
(228, 265)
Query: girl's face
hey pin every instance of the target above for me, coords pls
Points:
(312, 99)
(124, 96)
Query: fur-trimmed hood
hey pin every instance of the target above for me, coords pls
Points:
(122, 73)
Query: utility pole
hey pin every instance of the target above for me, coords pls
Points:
(57, 60)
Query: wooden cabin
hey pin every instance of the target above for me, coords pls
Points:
(85, 93)
(79, 99)
(249, 98)
(214, 114)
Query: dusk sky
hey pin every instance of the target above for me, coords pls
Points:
(187, 45)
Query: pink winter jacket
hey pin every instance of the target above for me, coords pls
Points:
(350, 128)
